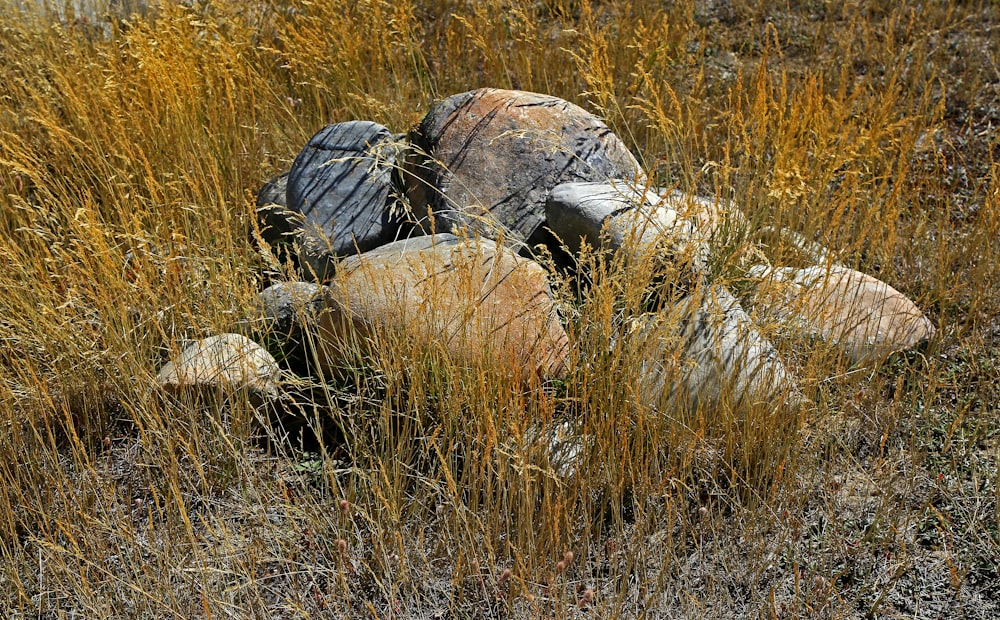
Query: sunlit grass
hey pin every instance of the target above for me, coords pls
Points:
(130, 154)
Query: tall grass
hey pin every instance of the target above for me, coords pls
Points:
(130, 152)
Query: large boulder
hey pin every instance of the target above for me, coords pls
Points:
(219, 366)
(487, 159)
(864, 317)
(705, 351)
(618, 214)
(341, 183)
(476, 300)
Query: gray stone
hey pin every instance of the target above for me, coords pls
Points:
(705, 351)
(284, 305)
(341, 183)
(617, 215)
(487, 159)
(277, 222)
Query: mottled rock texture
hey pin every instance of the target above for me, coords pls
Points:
(487, 159)
(477, 301)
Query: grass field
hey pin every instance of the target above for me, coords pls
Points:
(131, 151)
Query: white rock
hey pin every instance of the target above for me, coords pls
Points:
(619, 215)
(706, 349)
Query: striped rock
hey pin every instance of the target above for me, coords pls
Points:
(341, 184)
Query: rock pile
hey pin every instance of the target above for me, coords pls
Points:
(412, 237)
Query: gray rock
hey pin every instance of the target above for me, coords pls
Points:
(219, 366)
(487, 159)
(341, 183)
(705, 351)
(273, 192)
(284, 305)
(277, 222)
(617, 215)
(290, 315)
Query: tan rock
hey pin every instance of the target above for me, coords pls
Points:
(220, 365)
(865, 317)
(713, 218)
(494, 156)
(474, 299)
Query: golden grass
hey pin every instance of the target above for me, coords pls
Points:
(130, 153)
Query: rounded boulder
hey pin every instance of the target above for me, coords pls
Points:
(341, 183)
(488, 159)
(477, 300)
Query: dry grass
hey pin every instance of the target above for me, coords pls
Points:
(130, 152)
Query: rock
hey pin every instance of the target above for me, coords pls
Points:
(617, 214)
(712, 218)
(290, 313)
(278, 224)
(341, 183)
(496, 155)
(221, 365)
(478, 301)
(555, 449)
(282, 304)
(705, 351)
(273, 192)
(864, 317)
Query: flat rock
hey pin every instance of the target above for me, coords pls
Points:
(494, 156)
(221, 365)
(864, 317)
(704, 351)
(341, 183)
(479, 301)
(617, 215)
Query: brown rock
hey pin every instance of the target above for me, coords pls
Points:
(865, 317)
(478, 301)
(496, 155)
